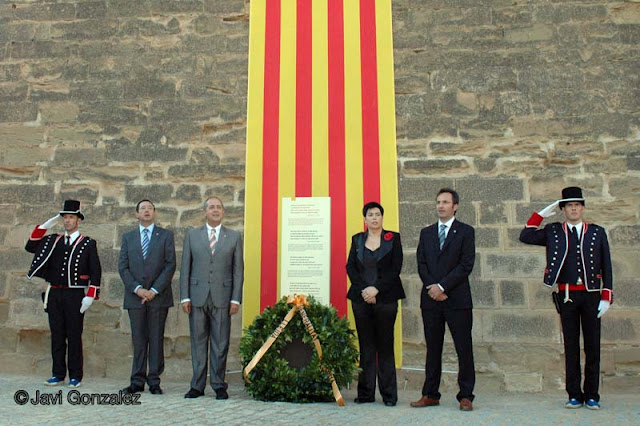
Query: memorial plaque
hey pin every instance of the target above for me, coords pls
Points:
(306, 244)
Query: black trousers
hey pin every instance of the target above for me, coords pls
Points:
(582, 311)
(460, 323)
(66, 323)
(147, 334)
(375, 324)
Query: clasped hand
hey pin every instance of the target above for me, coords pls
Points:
(436, 293)
(145, 295)
(369, 294)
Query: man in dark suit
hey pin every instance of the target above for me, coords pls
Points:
(210, 293)
(147, 264)
(446, 254)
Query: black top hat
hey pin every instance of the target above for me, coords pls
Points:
(571, 193)
(72, 207)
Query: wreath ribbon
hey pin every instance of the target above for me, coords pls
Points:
(299, 301)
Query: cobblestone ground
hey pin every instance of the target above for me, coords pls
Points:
(172, 408)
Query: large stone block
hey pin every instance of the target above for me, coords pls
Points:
(58, 112)
(422, 189)
(483, 293)
(626, 293)
(22, 288)
(158, 193)
(111, 113)
(626, 236)
(8, 339)
(124, 150)
(4, 309)
(12, 364)
(28, 314)
(621, 327)
(18, 112)
(74, 157)
(15, 259)
(512, 293)
(436, 166)
(534, 33)
(84, 30)
(493, 213)
(482, 189)
(513, 265)
(113, 344)
(109, 259)
(32, 342)
(487, 237)
(211, 173)
(520, 326)
(39, 49)
(102, 317)
(625, 264)
(630, 355)
(523, 382)
(412, 328)
(44, 12)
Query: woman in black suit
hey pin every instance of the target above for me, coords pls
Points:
(374, 265)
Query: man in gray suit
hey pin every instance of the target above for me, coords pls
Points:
(210, 292)
(147, 264)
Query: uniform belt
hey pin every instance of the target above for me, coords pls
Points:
(572, 287)
(60, 286)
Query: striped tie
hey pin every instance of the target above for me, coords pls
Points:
(441, 235)
(212, 241)
(145, 242)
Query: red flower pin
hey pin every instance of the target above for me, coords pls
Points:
(388, 236)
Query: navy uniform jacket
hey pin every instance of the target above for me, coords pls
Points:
(597, 272)
(84, 264)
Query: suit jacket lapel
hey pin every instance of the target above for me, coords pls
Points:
(204, 233)
(137, 238)
(452, 234)
(385, 246)
(153, 243)
(361, 240)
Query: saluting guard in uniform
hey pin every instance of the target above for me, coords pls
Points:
(579, 262)
(69, 263)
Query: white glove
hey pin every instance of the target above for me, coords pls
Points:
(603, 306)
(51, 222)
(86, 303)
(550, 210)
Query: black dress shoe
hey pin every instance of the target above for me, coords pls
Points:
(133, 389)
(390, 403)
(363, 400)
(193, 393)
(155, 389)
(222, 394)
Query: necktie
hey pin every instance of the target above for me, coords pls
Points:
(68, 243)
(212, 241)
(574, 235)
(145, 242)
(441, 235)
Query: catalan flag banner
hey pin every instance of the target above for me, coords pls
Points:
(320, 123)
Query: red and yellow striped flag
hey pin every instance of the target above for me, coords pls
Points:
(321, 122)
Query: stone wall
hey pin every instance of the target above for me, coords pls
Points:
(109, 101)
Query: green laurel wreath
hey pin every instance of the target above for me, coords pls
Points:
(274, 380)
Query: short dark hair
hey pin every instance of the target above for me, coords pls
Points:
(372, 205)
(454, 194)
(204, 206)
(142, 201)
